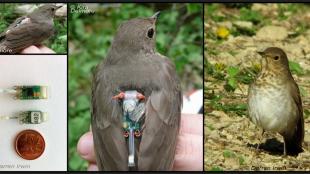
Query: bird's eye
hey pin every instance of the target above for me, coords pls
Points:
(53, 9)
(150, 33)
(276, 57)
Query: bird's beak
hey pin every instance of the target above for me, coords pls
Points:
(58, 7)
(262, 53)
(156, 15)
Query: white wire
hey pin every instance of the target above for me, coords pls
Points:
(8, 117)
(8, 91)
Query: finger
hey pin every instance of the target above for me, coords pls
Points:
(31, 49)
(92, 167)
(45, 49)
(189, 144)
(189, 153)
(191, 124)
(85, 147)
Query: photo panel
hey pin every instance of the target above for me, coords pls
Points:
(28, 28)
(153, 53)
(33, 112)
(256, 87)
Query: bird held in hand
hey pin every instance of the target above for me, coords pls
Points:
(132, 64)
(274, 100)
(28, 30)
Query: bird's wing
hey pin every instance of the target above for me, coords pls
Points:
(19, 21)
(299, 130)
(26, 34)
(14, 24)
(162, 121)
(113, 153)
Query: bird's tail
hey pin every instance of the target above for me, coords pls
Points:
(294, 143)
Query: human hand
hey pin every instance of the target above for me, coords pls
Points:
(189, 152)
(41, 49)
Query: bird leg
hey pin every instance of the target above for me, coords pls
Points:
(260, 139)
(119, 96)
(284, 146)
(122, 95)
(140, 96)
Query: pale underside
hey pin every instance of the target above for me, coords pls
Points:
(270, 108)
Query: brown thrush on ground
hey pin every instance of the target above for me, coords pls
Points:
(274, 101)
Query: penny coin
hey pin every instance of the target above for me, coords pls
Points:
(29, 144)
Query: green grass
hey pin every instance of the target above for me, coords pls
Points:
(229, 154)
(216, 169)
(247, 14)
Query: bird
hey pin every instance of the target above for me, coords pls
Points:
(132, 67)
(274, 101)
(31, 29)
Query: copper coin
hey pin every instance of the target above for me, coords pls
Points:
(29, 144)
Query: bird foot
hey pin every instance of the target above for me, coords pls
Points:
(140, 96)
(123, 95)
(119, 96)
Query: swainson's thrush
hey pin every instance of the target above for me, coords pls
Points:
(133, 64)
(274, 100)
(28, 30)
